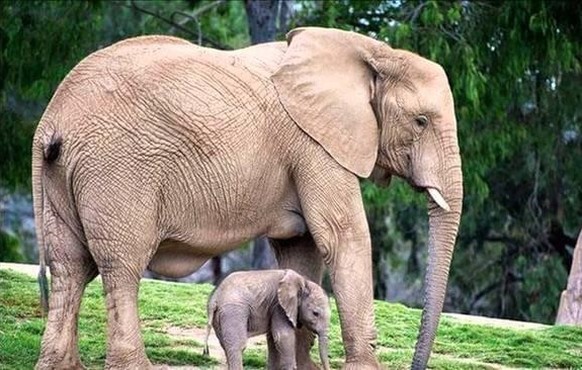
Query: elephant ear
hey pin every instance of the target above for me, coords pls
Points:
(288, 294)
(326, 84)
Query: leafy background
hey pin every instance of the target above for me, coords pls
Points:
(515, 70)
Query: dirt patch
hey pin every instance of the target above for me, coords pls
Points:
(259, 342)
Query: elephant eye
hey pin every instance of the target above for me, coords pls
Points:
(315, 313)
(422, 121)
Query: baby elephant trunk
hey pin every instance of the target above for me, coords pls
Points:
(323, 350)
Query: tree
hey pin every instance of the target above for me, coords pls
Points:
(267, 18)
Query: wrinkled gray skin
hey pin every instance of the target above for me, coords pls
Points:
(274, 302)
(155, 152)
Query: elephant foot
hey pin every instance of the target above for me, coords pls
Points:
(308, 365)
(161, 367)
(135, 364)
(65, 364)
(356, 365)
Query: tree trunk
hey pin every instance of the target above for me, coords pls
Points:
(263, 256)
(570, 310)
(216, 269)
(263, 16)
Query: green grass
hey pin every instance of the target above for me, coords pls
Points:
(164, 305)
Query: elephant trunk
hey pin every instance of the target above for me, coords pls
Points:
(443, 228)
(323, 349)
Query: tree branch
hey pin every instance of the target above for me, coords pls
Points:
(204, 8)
(180, 27)
(493, 286)
(196, 13)
(455, 37)
(501, 239)
(416, 12)
(188, 17)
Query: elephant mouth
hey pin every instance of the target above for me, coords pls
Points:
(438, 198)
(381, 176)
(433, 193)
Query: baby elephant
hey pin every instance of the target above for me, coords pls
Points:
(268, 301)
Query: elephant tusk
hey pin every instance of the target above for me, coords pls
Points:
(438, 198)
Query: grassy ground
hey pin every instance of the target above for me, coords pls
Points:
(168, 305)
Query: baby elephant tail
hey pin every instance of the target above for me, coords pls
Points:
(210, 315)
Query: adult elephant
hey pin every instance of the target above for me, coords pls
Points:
(157, 153)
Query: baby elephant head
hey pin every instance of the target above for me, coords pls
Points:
(306, 303)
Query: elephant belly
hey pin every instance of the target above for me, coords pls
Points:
(258, 326)
(287, 225)
(175, 259)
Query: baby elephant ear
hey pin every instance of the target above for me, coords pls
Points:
(290, 287)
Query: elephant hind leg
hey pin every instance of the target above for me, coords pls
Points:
(122, 257)
(231, 329)
(71, 267)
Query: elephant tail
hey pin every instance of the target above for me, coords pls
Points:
(210, 317)
(44, 152)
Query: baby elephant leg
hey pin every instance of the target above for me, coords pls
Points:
(281, 349)
(231, 329)
(281, 344)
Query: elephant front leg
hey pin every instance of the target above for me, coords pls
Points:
(340, 230)
(281, 347)
(301, 254)
(281, 342)
(351, 275)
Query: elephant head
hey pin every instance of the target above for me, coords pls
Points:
(305, 303)
(372, 107)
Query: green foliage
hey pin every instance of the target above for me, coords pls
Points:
(182, 306)
(227, 25)
(37, 53)
(9, 248)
